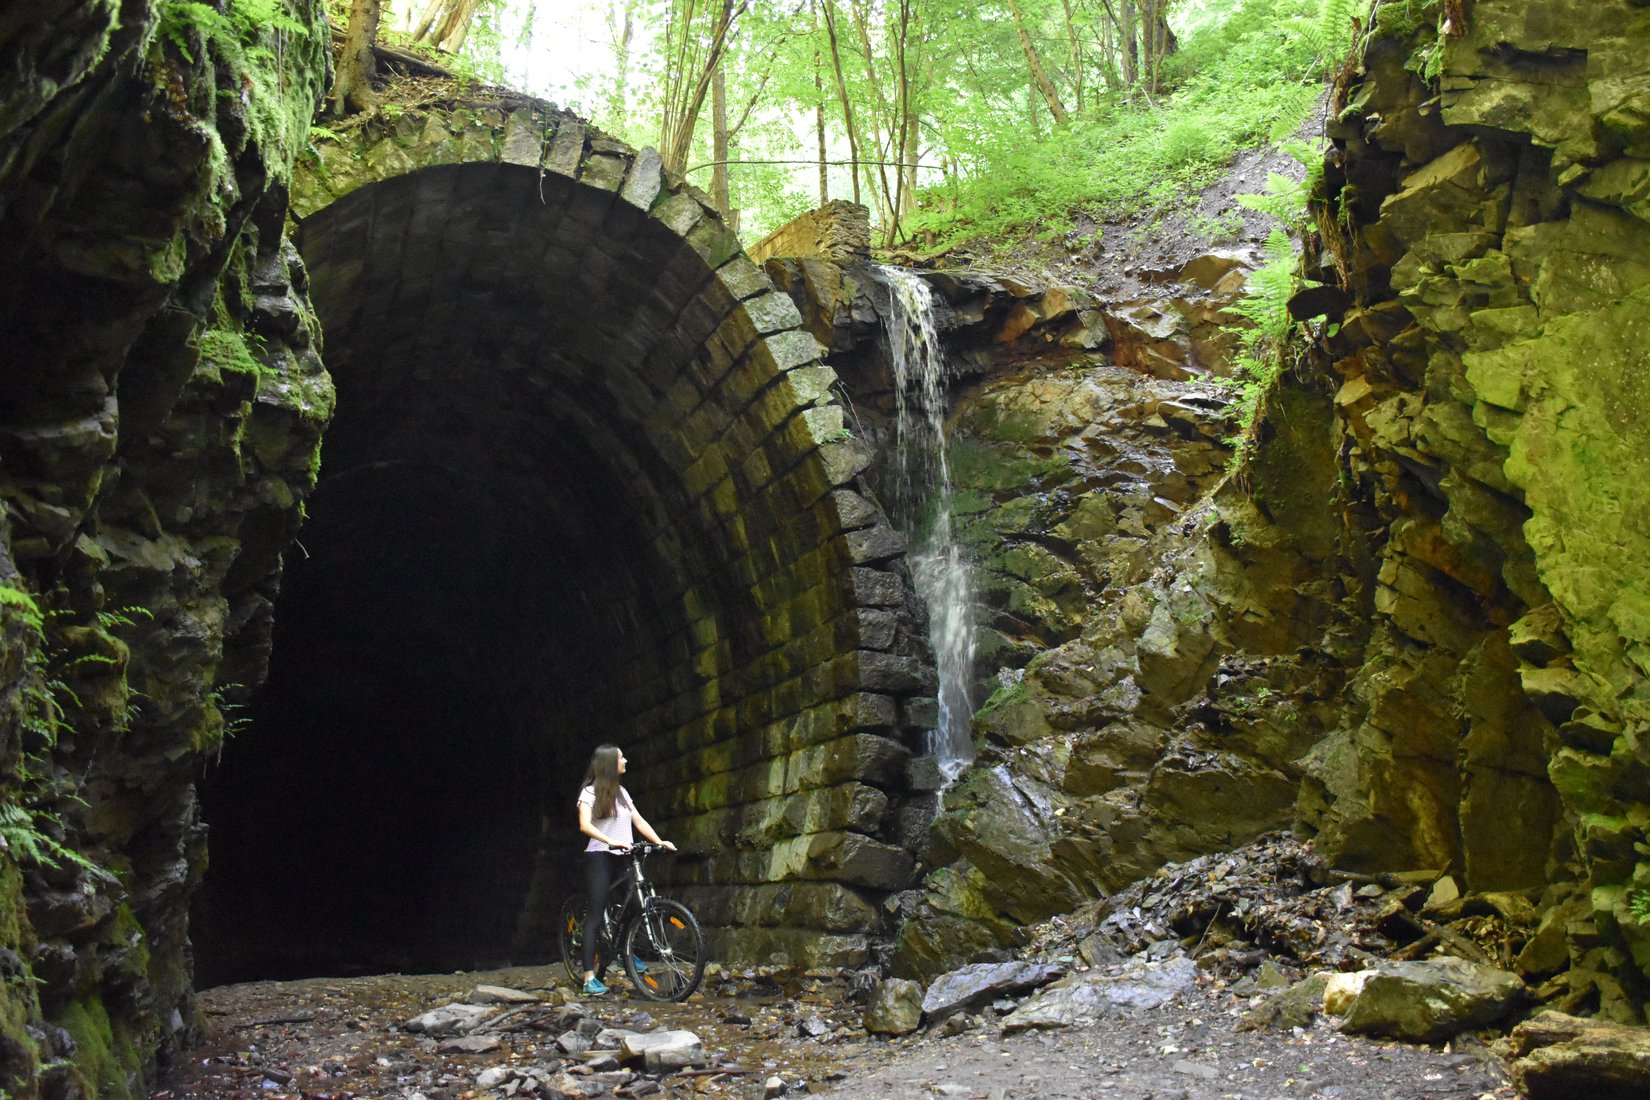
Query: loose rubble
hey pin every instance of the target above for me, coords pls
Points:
(1256, 974)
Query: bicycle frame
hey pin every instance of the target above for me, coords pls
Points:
(633, 893)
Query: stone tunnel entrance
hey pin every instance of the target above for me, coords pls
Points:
(586, 482)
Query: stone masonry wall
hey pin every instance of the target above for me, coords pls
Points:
(839, 231)
(161, 407)
(773, 712)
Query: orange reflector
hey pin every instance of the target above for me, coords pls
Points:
(677, 922)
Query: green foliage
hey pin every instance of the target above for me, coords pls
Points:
(254, 47)
(1251, 73)
(1420, 23)
(26, 833)
(1006, 695)
(1266, 327)
(22, 605)
(242, 24)
(29, 827)
(1263, 340)
(1638, 906)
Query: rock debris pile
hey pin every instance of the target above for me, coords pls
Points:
(1294, 946)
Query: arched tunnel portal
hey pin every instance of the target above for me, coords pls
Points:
(586, 482)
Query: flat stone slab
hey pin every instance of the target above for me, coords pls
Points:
(1085, 998)
(977, 983)
(1432, 1000)
(470, 1044)
(453, 1019)
(662, 1051)
(498, 994)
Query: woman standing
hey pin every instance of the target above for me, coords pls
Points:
(607, 816)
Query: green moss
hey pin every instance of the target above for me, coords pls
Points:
(272, 49)
(1006, 695)
(106, 1062)
(1402, 18)
(19, 1056)
(985, 466)
(230, 350)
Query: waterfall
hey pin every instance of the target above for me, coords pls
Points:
(923, 503)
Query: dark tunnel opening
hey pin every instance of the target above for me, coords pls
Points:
(427, 703)
(488, 585)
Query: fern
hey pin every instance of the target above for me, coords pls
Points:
(1332, 29)
(23, 833)
(1262, 341)
(1638, 905)
(1284, 200)
(23, 605)
(242, 22)
(1266, 304)
(123, 616)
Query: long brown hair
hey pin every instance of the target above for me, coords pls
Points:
(603, 774)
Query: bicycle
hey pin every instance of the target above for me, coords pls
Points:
(659, 938)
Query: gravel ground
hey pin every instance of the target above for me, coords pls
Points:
(341, 1039)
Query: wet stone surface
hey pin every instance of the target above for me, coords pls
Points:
(347, 1039)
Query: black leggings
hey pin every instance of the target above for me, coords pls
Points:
(600, 870)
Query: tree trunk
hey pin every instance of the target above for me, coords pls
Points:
(1109, 50)
(1128, 49)
(624, 33)
(352, 89)
(876, 171)
(446, 23)
(1157, 41)
(819, 129)
(913, 135)
(842, 96)
(719, 145)
(1074, 43)
(1039, 76)
(691, 80)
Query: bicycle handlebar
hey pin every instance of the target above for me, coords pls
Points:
(641, 848)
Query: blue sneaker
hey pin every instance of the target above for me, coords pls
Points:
(641, 967)
(594, 988)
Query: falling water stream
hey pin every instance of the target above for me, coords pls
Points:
(923, 503)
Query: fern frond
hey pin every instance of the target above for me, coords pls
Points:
(23, 606)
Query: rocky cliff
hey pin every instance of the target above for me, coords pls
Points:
(1484, 209)
(1411, 623)
(161, 404)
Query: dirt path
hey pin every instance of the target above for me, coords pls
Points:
(342, 1039)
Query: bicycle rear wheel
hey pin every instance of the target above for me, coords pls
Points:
(664, 951)
(570, 931)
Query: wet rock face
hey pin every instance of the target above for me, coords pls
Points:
(1145, 674)
(160, 411)
(1146, 662)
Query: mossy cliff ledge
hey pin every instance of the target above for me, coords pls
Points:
(161, 404)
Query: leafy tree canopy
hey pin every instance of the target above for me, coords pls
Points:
(951, 119)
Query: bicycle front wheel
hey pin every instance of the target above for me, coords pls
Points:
(664, 951)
